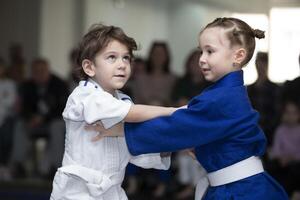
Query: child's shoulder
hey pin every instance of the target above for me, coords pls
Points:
(220, 94)
(80, 92)
(230, 101)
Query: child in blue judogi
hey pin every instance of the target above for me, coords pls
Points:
(219, 123)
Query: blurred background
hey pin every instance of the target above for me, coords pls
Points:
(38, 38)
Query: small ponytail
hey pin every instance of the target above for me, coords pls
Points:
(258, 33)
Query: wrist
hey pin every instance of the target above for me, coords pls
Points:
(172, 110)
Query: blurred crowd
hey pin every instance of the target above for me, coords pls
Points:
(32, 130)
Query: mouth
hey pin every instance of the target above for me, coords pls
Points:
(120, 76)
(205, 70)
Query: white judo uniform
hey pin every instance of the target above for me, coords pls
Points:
(95, 170)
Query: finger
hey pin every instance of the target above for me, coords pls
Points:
(97, 137)
(101, 136)
(96, 128)
(192, 155)
(99, 123)
(89, 127)
(99, 127)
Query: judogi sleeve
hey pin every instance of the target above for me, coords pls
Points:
(97, 106)
(105, 108)
(151, 160)
(199, 124)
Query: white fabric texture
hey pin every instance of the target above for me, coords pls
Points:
(96, 165)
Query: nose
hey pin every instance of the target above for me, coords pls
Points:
(202, 60)
(122, 64)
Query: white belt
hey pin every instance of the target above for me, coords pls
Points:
(97, 182)
(238, 171)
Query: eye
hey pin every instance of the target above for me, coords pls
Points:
(209, 51)
(111, 58)
(127, 58)
(200, 52)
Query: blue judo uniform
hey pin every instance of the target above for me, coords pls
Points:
(222, 126)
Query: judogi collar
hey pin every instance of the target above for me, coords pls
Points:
(90, 83)
(229, 80)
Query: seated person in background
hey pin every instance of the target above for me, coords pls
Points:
(264, 96)
(291, 89)
(286, 149)
(8, 97)
(42, 98)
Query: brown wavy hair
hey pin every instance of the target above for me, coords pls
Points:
(95, 40)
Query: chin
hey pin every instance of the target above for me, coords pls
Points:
(118, 87)
(212, 80)
(207, 78)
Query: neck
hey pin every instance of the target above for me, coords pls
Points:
(110, 91)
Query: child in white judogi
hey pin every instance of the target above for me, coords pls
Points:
(94, 170)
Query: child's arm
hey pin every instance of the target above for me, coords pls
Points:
(143, 112)
(140, 113)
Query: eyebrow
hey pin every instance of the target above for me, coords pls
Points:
(115, 52)
(208, 46)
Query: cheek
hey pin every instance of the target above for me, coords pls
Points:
(128, 69)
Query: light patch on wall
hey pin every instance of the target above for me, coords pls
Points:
(256, 21)
(284, 44)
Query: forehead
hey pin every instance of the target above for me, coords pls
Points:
(214, 36)
(116, 46)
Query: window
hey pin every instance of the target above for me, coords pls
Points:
(284, 44)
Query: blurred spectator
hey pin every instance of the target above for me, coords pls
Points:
(291, 89)
(157, 91)
(264, 96)
(43, 98)
(73, 79)
(186, 87)
(16, 54)
(192, 83)
(133, 87)
(158, 83)
(16, 63)
(136, 178)
(155, 88)
(286, 149)
(7, 120)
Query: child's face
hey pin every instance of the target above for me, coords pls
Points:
(112, 66)
(217, 56)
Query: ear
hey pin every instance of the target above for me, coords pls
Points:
(88, 67)
(239, 56)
